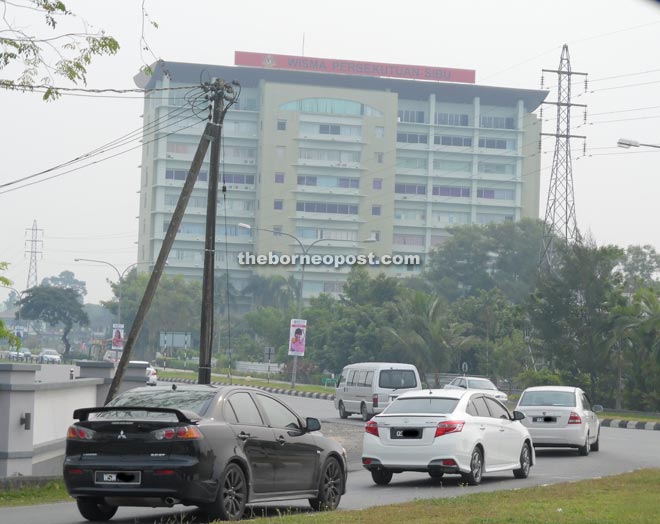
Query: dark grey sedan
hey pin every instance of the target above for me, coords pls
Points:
(218, 448)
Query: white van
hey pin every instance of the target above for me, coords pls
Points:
(367, 388)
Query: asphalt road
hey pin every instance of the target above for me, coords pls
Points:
(622, 450)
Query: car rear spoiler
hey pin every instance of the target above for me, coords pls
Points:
(82, 414)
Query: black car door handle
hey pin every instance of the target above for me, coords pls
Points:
(281, 439)
(243, 436)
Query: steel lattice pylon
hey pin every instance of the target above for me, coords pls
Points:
(33, 250)
(560, 219)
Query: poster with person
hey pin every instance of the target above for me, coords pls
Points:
(118, 336)
(297, 333)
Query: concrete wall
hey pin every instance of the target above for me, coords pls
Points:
(36, 408)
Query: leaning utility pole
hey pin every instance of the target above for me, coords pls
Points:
(560, 220)
(221, 92)
(211, 132)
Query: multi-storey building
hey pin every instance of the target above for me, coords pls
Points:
(336, 150)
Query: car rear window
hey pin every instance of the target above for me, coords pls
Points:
(397, 379)
(548, 398)
(185, 400)
(481, 383)
(426, 405)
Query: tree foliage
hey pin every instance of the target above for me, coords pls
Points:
(66, 279)
(39, 43)
(55, 306)
(4, 332)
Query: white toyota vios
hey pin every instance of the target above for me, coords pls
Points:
(442, 431)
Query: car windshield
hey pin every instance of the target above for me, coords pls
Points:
(186, 400)
(480, 383)
(397, 378)
(426, 405)
(548, 398)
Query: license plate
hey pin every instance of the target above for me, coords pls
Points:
(118, 477)
(544, 419)
(401, 433)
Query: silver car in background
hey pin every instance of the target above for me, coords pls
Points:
(478, 384)
(561, 417)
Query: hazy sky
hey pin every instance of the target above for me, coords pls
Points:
(91, 213)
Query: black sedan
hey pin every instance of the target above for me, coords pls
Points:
(218, 448)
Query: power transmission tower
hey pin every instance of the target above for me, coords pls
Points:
(560, 220)
(34, 246)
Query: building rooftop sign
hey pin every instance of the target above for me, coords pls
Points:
(352, 67)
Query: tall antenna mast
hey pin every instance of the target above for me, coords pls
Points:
(34, 246)
(560, 220)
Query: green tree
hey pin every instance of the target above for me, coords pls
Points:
(4, 332)
(571, 312)
(52, 48)
(55, 306)
(639, 268)
(271, 291)
(66, 279)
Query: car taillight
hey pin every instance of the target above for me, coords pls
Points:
(574, 418)
(449, 426)
(371, 427)
(80, 433)
(374, 399)
(182, 433)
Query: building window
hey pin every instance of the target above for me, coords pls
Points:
(497, 194)
(306, 180)
(377, 183)
(375, 235)
(277, 231)
(379, 132)
(412, 163)
(497, 122)
(408, 115)
(497, 143)
(238, 178)
(500, 169)
(448, 140)
(375, 210)
(408, 240)
(451, 191)
(351, 183)
(412, 138)
(279, 177)
(281, 125)
(329, 129)
(278, 204)
(323, 207)
(380, 157)
(451, 119)
(410, 189)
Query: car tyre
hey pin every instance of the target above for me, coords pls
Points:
(95, 509)
(342, 410)
(365, 414)
(476, 468)
(525, 462)
(331, 486)
(583, 451)
(596, 445)
(381, 477)
(232, 496)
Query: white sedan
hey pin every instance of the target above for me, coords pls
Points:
(442, 431)
(479, 384)
(561, 416)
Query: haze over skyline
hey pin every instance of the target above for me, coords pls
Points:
(91, 213)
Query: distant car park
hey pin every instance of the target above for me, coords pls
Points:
(49, 356)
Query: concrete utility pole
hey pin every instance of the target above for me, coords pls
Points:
(220, 92)
(211, 132)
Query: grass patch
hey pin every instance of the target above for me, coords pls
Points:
(53, 491)
(630, 498)
(650, 417)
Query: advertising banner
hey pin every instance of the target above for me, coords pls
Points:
(297, 334)
(118, 336)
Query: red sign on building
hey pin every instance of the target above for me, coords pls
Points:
(352, 67)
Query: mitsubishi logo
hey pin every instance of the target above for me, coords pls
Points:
(121, 434)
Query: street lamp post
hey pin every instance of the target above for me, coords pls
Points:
(627, 143)
(305, 251)
(120, 274)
